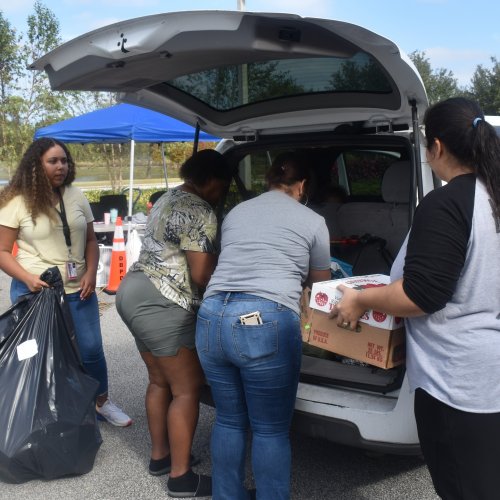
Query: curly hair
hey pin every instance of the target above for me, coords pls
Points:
(31, 182)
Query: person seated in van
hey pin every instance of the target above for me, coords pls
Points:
(248, 330)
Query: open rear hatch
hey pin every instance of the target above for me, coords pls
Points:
(242, 73)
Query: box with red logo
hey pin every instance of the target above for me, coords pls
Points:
(324, 295)
(375, 346)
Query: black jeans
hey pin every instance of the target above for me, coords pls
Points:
(462, 449)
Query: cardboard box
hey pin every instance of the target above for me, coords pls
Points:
(324, 296)
(375, 346)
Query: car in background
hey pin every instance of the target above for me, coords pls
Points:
(268, 83)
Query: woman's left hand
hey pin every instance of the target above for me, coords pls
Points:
(87, 286)
(347, 311)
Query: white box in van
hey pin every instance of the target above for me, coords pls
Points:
(324, 295)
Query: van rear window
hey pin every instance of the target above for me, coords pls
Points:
(228, 87)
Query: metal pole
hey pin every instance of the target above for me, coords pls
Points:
(241, 4)
(131, 180)
(164, 161)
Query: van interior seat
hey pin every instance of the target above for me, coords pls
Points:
(396, 191)
(388, 219)
(329, 211)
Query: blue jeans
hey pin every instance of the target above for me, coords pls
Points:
(253, 371)
(85, 315)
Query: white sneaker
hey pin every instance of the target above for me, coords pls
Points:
(112, 414)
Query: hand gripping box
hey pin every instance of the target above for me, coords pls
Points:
(324, 296)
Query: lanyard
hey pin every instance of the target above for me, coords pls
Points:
(64, 220)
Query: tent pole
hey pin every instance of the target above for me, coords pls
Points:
(164, 161)
(131, 180)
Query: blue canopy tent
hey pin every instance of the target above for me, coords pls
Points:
(124, 123)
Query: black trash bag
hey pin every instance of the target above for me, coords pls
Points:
(48, 426)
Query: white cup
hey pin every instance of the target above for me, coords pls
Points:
(107, 218)
(113, 214)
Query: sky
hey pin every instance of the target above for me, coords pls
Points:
(454, 34)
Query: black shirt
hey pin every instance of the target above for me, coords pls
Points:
(437, 244)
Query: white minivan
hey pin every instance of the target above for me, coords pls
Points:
(268, 83)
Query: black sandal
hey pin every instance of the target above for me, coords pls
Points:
(189, 485)
(164, 465)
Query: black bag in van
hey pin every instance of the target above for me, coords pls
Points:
(48, 426)
(366, 254)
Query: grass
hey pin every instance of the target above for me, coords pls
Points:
(94, 195)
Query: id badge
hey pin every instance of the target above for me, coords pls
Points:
(71, 272)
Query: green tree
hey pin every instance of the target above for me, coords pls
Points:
(10, 62)
(222, 88)
(485, 87)
(81, 102)
(362, 74)
(439, 83)
(113, 156)
(26, 97)
(10, 71)
(42, 36)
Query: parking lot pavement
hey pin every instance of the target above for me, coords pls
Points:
(321, 470)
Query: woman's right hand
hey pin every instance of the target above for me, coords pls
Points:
(35, 284)
(348, 310)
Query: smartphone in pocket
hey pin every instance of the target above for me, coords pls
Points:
(252, 318)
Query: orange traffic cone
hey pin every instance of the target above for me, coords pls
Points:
(118, 266)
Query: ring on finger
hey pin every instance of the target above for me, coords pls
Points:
(345, 324)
